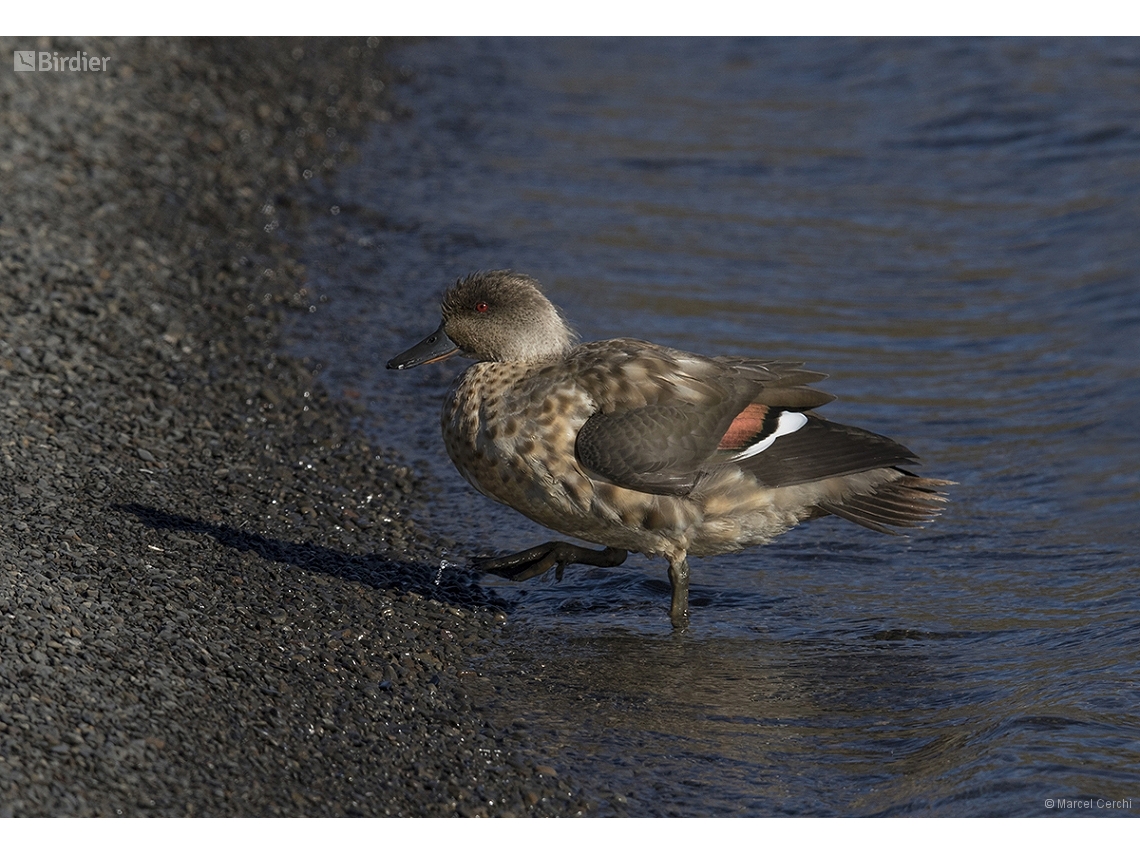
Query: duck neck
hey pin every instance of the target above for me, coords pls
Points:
(548, 338)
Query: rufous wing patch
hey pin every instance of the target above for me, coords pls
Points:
(776, 423)
(746, 428)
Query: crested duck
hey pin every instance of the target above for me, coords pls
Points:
(642, 448)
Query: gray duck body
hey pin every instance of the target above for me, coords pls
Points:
(645, 448)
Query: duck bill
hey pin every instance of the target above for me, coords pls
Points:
(435, 347)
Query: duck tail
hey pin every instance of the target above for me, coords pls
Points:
(908, 501)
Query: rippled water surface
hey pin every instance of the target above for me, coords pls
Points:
(951, 230)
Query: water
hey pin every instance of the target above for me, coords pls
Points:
(950, 229)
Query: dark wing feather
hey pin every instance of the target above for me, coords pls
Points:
(823, 449)
(785, 384)
(656, 449)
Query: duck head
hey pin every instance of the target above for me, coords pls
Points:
(497, 316)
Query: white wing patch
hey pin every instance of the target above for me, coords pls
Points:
(789, 422)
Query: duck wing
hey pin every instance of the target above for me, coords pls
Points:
(665, 418)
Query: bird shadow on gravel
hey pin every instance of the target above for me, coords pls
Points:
(457, 587)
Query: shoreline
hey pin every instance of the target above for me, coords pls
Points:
(212, 602)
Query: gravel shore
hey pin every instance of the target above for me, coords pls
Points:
(212, 602)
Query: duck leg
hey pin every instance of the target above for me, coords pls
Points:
(679, 579)
(538, 559)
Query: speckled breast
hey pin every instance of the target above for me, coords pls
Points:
(510, 430)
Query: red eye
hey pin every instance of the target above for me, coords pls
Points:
(481, 306)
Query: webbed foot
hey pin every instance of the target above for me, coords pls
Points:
(538, 559)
